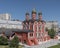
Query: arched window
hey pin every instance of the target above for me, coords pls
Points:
(40, 27)
(26, 26)
(31, 34)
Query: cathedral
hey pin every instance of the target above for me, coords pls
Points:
(33, 29)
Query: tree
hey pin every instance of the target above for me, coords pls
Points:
(51, 32)
(14, 43)
(3, 40)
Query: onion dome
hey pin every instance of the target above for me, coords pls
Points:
(34, 11)
(27, 13)
(40, 13)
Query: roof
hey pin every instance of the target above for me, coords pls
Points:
(32, 21)
(40, 13)
(21, 31)
(26, 21)
(9, 32)
(34, 11)
(27, 13)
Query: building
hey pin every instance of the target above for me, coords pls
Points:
(33, 30)
(30, 31)
(5, 16)
(58, 33)
(59, 28)
(52, 24)
(9, 24)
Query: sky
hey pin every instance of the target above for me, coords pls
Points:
(17, 8)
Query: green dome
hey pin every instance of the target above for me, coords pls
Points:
(27, 13)
(40, 13)
(34, 11)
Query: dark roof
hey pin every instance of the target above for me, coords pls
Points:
(40, 13)
(27, 13)
(40, 20)
(32, 21)
(21, 31)
(9, 32)
(26, 21)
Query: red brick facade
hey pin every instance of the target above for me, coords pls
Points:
(39, 33)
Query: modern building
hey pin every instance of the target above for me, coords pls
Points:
(59, 27)
(5, 16)
(33, 30)
(8, 24)
(59, 36)
(52, 24)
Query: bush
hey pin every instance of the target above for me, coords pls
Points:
(3, 40)
(51, 32)
(14, 43)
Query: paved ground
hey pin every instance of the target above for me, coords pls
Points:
(45, 44)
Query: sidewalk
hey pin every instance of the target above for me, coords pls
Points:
(46, 44)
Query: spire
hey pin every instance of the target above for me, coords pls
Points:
(34, 11)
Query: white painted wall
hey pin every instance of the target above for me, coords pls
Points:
(11, 24)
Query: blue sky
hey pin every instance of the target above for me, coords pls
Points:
(18, 8)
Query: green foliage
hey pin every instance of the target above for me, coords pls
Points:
(14, 43)
(56, 46)
(51, 32)
(3, 40)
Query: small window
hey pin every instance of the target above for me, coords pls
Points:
(31, 34)
(39, 34)
(24, 42)
(40, 27)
